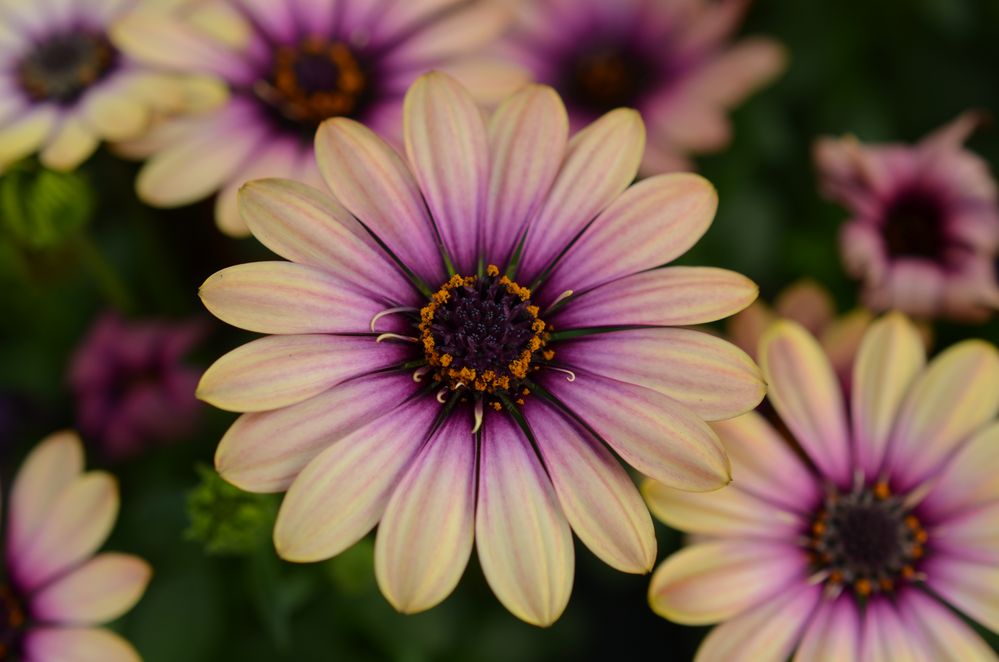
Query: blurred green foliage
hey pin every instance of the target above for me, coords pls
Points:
(881, 69)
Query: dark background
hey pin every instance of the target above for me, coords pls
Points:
(881, 69)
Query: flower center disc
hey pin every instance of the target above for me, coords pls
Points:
(914, 226)
(315, 80)
(11, 622)
(482, 333)
(866, 539)
(605, 79)
(62, 67)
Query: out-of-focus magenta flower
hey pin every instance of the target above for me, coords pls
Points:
(924, 229)
(673, 60)
(288, 65)
(66, 85)
(845, 545)
(131, 385)
(412, 381)
(58, 591)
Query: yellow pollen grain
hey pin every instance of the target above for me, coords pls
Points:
(548, 354)
(862, 587)
(497, 406)
(881, 490)
(492, 270)
(445, 360)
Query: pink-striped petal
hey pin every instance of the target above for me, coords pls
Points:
(449, 152)
(47, 471)
(727, 512)
(946, 636)
(601, 161)
(651, 432)
(764, 465)
(708, 375)
(890, 357)
(522, 537)
(650, 224)
(309, 227)
(528, 134)
(956, 395)
(77, 523)
(55, 644)
(464, 31)
(597, 495)
(834, 633)
(768, 633)
(342, 493)
(885, 638)
(263, 452)
(425, 536)
(971, 586)
(807, 395)
(972, 535)
(287, 298)
(714, 581)
(101, 590)
(969, 480)
(672, 296)
(277, 371)
(376, 186)
(276, 19)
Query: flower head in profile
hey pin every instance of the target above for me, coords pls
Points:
(131, 385)
(673, 60)
(924, 230)
(461, 338)
(55, 592)
(289, 65)
(854, 543)
(66, 84)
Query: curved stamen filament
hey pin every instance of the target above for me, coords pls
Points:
(561, 298)
(478, 416)
(391, 311)
(570, 375)
(419, 373)
(395, 336)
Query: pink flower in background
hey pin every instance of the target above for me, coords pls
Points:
(288, 65)
(924, 230)
(847, 545)
(58, 592)
(673, 60)
(131, 386)
(459, 339)
(66, 86)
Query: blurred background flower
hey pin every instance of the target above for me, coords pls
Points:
(66, 85)
(674, 60)
(131, 385)
(288, 65)
(924, 233)
(58, 592)
(823, 548)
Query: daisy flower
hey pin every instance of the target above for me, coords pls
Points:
(131, 385)
(924, 230)
(462, 337)
(856, 542)
(673, 60)
(55, 592)
(66, 85)
(288, 65)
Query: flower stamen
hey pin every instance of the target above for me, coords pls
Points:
(391, 311)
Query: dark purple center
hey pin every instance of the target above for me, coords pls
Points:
(914, 225)
(11, 624)
(61, 67)
(483, 326)
(866, 539)
(602, 79)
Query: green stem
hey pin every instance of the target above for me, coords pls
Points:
(108, 280)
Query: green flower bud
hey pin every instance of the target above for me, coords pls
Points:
(42, 208)
(227, 520)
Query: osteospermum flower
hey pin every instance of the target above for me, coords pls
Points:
(54, 592)
(288, 65)
(131, 385)
(462, 337)
(852, 548)
(673, 60)
(66, 86)
(924, 229)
